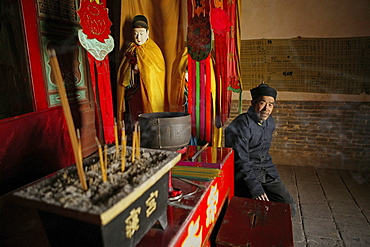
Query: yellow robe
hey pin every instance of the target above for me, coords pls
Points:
(151, 67)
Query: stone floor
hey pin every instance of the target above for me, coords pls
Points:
(333, 206)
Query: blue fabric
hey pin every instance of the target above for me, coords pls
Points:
(251, 142)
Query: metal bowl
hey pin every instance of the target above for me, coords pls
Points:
(165, 130)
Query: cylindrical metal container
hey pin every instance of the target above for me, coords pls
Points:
(165, 130)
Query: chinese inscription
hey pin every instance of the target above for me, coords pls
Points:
(212, 202)
(132, 222)
(151, 203)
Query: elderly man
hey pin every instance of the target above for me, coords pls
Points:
(250, 136)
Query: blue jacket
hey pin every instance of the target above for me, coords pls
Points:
(251, 143)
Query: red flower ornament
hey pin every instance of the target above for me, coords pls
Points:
(94, 20)
(220, 21)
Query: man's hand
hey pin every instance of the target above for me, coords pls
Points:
(262, 197)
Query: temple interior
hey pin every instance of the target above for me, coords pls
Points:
(132, 106)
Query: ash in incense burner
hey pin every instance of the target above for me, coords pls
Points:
(64, 189)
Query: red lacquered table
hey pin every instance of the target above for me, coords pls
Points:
(192, 218)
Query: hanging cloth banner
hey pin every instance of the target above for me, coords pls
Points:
(221, 24)
(200, 101)
(95, 38)
(193, 88)
(208, 100)
(233, 45)
(199, 76)
(102, 80)
(199, 31)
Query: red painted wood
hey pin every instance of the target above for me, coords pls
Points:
(183, 218)
(249, 222)
(29, 10)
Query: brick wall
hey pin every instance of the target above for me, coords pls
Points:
(320, 133)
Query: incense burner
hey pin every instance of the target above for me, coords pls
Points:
(118, 212)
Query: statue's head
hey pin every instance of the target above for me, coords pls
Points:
(140, 29)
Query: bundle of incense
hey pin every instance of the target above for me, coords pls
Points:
(102, 165)
(55, 69)
(195, 172)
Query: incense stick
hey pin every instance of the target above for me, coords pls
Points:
(123, 155)
(133, 152)
(55, 69)
(138, 142)
(123, 128)
(116, 137)
(102, 166)
(123, 147)
(79, 145)
(80, 172)
(106, 156)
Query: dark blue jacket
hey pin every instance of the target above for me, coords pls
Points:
(251, 142)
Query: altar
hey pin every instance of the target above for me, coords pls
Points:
(191, 218)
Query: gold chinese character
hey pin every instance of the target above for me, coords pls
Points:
(151, 203)
(97, 1)
(212, 202)
(193, 239)
(132, 222)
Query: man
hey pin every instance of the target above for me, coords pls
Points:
(141, 76)
(250, 136)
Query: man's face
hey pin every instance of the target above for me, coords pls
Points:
(264, 107)
(140, 35)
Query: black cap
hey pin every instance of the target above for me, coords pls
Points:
(263, 90)
(140, 21)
